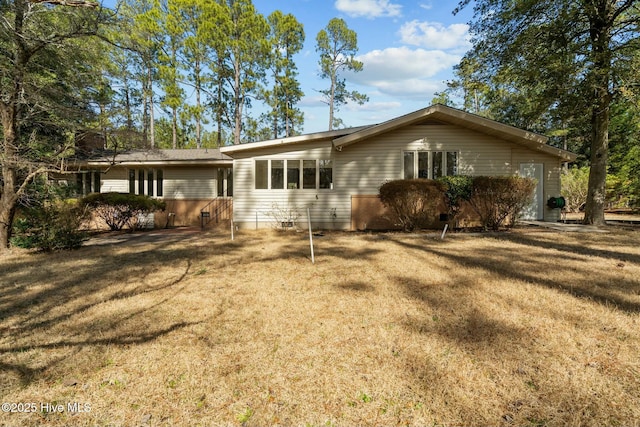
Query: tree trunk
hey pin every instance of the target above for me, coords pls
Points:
(600, 33)
(219, 100)
(198, 85)
(238, 101)
(596, 196)
(152, 125)
(174, 127)
(332, 97)
(8, 196)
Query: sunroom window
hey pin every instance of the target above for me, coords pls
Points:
(293, 174)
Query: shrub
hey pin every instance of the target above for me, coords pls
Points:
(118, 210)
(457, 188)
(283, 218)
(51, 226)
(412, 201)
(575, 186)
(498, 200)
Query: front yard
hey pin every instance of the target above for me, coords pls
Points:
(523, 328)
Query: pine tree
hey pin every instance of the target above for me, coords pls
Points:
(337, 45)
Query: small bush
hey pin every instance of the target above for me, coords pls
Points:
(498, 200)
(49, 227)
(284, 218)
(575, 187)
(118, 210)
(413, 202)
(457, 189)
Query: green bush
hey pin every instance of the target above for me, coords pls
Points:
(413, 202)
(575, 186)
(119, 210)
(51, 226)
(457, 189)
(498, 200)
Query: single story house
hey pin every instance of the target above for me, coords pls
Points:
(333, 175)
(190, 181)
(336, 175)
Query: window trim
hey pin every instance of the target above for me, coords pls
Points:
(139, 182)
(430, 158)
(288, 164)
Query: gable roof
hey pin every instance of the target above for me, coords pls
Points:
(441, 113)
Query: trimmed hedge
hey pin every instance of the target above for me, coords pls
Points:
(498, 200)
(118, 210)
(412, 201)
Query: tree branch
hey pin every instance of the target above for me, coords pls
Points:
(71, 3)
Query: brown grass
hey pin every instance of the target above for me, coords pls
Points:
(520, 328)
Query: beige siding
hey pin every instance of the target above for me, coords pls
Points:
(361, 168)
(266, 207)
(551, 168)
(178, 182)
(190, 183)
(367, 165)
(115, 180)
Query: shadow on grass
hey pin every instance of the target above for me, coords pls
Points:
(480, 356)
(538, 262)
(355, 287)
(41, 292)
(27, 374)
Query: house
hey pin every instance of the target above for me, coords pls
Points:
(190, 181)
(335, 175)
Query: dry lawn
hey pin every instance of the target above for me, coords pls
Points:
(521, 328)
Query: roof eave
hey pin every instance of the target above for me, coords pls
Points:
(299, 139)
(193, 162)
(460, 118)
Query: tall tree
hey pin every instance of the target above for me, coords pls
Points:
(197, 19)
(141, 35)
(338, 45)
(556, 57)
(286, 38)
(170, 40)
(245, 56)
(45, 73)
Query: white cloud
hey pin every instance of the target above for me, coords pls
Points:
(434, 35)
(368, 8)
(403, 62)
(426, 6)
(403, 71)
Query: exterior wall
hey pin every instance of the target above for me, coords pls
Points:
(254, 208)
(360, 169)
(115, 180)
(365, 166)
(552, 172)
(368, 213)
(190, 183)
(186, 212)
(178, 182)
(186, 190)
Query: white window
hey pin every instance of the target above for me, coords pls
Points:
(146, 181)
(293, 174)
(89, 182)
(429, 164)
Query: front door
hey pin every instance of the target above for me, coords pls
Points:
(535, 211)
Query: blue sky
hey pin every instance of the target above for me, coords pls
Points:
(408, 49)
